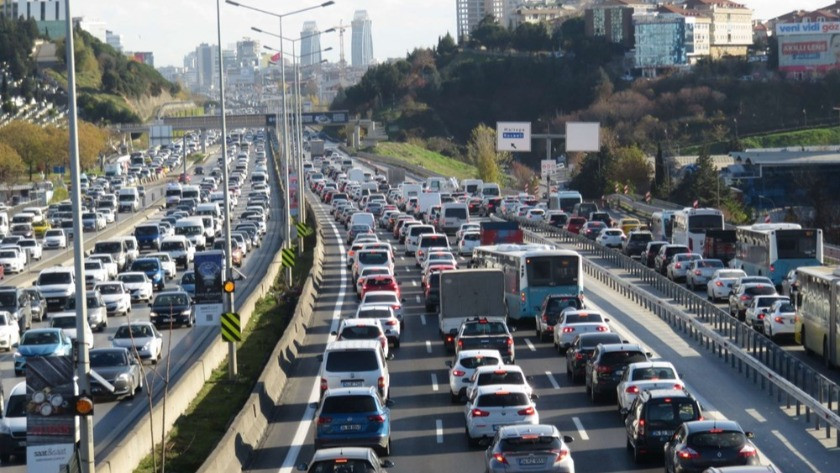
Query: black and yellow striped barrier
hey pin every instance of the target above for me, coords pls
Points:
(231, 329)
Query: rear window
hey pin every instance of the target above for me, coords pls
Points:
(380, 298)
(373, 257)
(709, 264)
(649, 374)
(420, 230)
(352, 360)
(530, 443)
(364, 332)
(374, 314)
(501, 377)
(438, 241)
(556, 305)
(489, 328)
(349, 405)
(342, 465)
(622, 357)
(760, 290)
(673, 250)
(583, 318)
(671, 412)
(473, 362)
(457, 212)
(472, 237)
(725, 439)
(590, 341)
(503, 399)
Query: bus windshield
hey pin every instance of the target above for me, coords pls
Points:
(552, 271)
(796, 244)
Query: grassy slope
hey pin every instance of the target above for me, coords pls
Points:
(813, 137)
(435, 162)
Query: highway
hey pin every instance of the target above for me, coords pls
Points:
(114, 419)
(428, 431)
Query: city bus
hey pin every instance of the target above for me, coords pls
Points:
(532, 272)
(773, 249)
(662, 224)
(690, 227)
(565, 201)
(818, 321)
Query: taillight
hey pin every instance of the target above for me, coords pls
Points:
(677, 265)
(381, 382)
(718, 284)
(745, 297)
(391, 323)
(460, 344)
(324, 420)
(458, 373)
(568, 329)
(522, 297)
(603, 369)
(578, 356)
(545, 317)
(500, 458)
(528, 411)
(384, 342)
(697, 272)
(602, 328)
(772, 268)
(561, 454)
(678, 386)
(510, 341)
(324, 384)
(689, 454)
(450, 338)
(760, 316)
(640, 428)
(479, 413)
(632, 390)
(376, 418)
(778, 320)
(396, 306)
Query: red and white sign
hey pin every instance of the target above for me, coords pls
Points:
(626, 189)
(696, 204)
(767, 218)
(647, 197)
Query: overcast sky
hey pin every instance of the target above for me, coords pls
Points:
(171, 28)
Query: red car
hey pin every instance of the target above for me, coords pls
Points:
(184, 178)
(380, 283)
(574, 225)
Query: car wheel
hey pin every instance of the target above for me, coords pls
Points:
(386, 452)
(471, 442)
(5, 458)
(18, 373)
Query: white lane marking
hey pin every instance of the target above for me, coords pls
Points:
(580, 429)
(402, 258)
(434, 382)
(439, 430)
(428, 346)
(306, 422)
(792, 449)
(414, 283)
(423, 319)
(756, 415)
(552, 380)
(530, 345)
(417, 298)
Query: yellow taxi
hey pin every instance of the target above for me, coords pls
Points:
(629, 224)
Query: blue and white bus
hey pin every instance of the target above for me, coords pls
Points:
(773, 249)
(532, 272)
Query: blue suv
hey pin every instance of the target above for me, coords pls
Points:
(153, 270)
(148, 236)
(354, 417)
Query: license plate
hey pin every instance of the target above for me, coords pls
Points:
(661, 433)
(350, 427)
(532, 461)
(21, 443)
(352, 384)
(54, 301)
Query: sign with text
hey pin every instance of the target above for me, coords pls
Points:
(583, 136)
(547, 167)
(51, 429)
(513, 136)
(335, 117)
(208, 276)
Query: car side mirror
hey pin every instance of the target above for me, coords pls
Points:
(34, 283)
(749, 435)
(529, 378)
(110, 339)
(512, 329)
(402, 300)
(648, 354)
(535, 396)
(625, 341)
(448, 364)
(320, 357)
(387, 464)
(15, 345)
(568, 439)
(302, 466)
(333, 333)
(624, 411)
(390, 403)
(390, 356)
(606, 319)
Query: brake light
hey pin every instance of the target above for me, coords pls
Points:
(772, 268)
(376, 418)
(640, 429)
(561, 454)
(384, 342)
(396, 306)
(718, 284)
(479, 413)
(745, 297)
(760, 316)
(324, 420)
(510, 341)
(545, 317)
(391, 323)
(778, 320)
(381, 382)
(578, 356)
(500, 458)
(632, 390)
(460, 344)
(458, 373)
(678, 386)
(602, 328)
(688, 454)
(603, 369)
(450, 338)
(697, 272)
(677, 265)
(568, 329)
(528, 411)
(522, 297)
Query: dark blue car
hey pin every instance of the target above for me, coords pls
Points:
(148, 236)
(153, 270)
(354, 417)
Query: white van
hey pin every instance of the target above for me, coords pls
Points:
(452, 215)
(363, 218)
(472, 186)
(38, 212)
(355, 363)
(193, 229)
(128, 199)
(425, 201)
(412, 237)
(259, 178)
(490, 190)
(209, 208)
(4, 224)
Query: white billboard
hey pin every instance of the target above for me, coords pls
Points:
(513, 136)
(583, 136)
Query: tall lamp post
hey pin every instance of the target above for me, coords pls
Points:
(285, 118)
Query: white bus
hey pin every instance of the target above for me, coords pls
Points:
(662, 225)
(690, 227)
(532, 272)
(818, 321)
(565, 201)
(774, 249)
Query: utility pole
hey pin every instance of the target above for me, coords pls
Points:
(86, 458)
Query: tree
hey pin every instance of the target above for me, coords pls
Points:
(630, 167)
(92, 140)
(446, 45)
(531, 37)
(490, 34)
(11, 166)
(29, 141)
(702, 183)
(481, 150)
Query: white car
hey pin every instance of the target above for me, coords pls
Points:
(97, 314)
(108, 214)
(33, 249)
(678, 266)
(117, 298)
(66, 321)
(438, 257)
(759, 307)
(462, 367)
(468, 242)
(370, 271)
(9, 331)
(496, 406)
(138, 284)
(142, 339)
(535, 215)
(362, 329)
(169, 267)
(387, 319)
(719, 287)
(384, 297)
(12, 259)
(95, 272)
(646, 375)
(55, 238)
(467, 228)
(107, 262)
(493, 375)
(780, 319)
(572, 323)
(611, 237)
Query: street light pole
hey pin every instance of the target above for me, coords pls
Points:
(86, 458)
(228, 296)
(286, 204)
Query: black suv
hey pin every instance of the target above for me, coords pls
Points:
(653, 418)
(636, 243)
(582, 348)
(607, 364)
(431, 292)
(16, 302)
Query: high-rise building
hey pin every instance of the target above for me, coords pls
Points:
(310, 45)
(660, 41)
(362, 43)
(470, 13)
(248, 53)
(94, 26)
(49, 15)
(207, 66)
(114, 40)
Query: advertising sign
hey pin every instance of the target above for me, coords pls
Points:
(294, 189)
(209, 267)
(513, 136)
(809, 46)
(583, 136)
(50, 413)
(335, 117)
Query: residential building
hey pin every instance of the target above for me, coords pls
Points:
(660, 41)
(731, 27)
(546, 11)
(361, 46)
(469, 14)
(94, 26)
(49, 15)
(613, 20)
(171, 73)
(310, 45)
(248, 53)
(114, 40)
(143, 57)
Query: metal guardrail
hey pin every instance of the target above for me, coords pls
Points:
(746, 350)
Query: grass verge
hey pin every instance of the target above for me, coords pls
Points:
(197, 432)
(419, 156)
(813, 137)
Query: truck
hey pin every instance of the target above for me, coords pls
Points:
(113, 169)
(395, 175)
(425, 202)
(469, 293)
(316, 148)
(497, 233)
(481, 333)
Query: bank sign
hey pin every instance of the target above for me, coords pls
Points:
(809, 47)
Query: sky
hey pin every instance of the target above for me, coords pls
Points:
(172, 28)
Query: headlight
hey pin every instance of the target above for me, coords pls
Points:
(147, 345)
(17, 354)
(123, 377)
(186, 313)
(5, 429)
(152, 314)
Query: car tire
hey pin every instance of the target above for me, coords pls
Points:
(638, 457)
(385, 452)
(5, 458)
(18, 373)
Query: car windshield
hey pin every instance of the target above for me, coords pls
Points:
(709, 264)
(93, 265)
(8, 254)
(502, 399)
(647, 374)
(349, 404)
(165, 300)
(47, 279)
(786, 307)
(530, 443)
(135, 331)
(760, 290)
(379, 282)
(54, 233)
(729, 274)
(592, 340)
(147, 230)
(63, 322)
(719, 440)
(473, 362)
(172, 246)
(130, 278)
(92, 302)
(106, 289)
(108, 247)
(188, 278)
(39, 338)
(189, 230)
(351, 360)
(100, 359)
(555, 305)
(17, 407)
(8, 299)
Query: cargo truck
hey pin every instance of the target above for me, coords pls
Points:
(316, 148)
(468, 293)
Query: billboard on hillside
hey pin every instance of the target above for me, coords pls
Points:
(809, 47)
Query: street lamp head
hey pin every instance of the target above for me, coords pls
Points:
(233, 3)
(254, 28)
(326, 4)
(329, 48)
(330, 30)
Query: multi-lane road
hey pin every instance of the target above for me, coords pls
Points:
(114, 419)
(428, 431)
